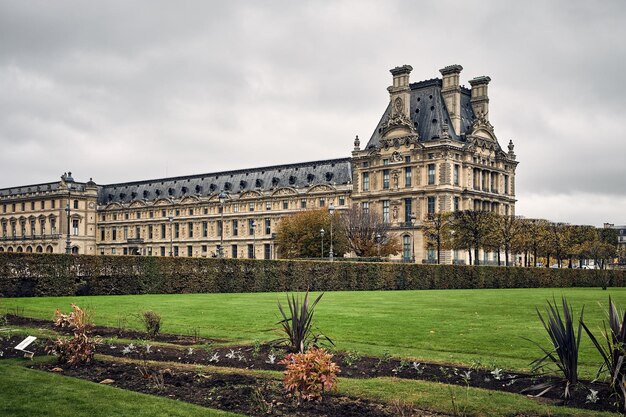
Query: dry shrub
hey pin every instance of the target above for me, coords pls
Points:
(81, 347)
(309, 375)
(151, 321)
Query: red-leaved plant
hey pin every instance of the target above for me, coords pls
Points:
(81, 347)
(309, 375)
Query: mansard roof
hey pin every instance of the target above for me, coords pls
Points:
(332, 172)
(27, 190)
(428, 113)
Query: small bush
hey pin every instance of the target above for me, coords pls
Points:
(81, 347)
(614, 354)
(565, 342)
(151, 322)
(298, 325)
(309, 375)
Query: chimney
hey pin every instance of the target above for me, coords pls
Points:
(480, 98)
(399, 92)
(451, 92)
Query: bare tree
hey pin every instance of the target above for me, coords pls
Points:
(437, 231)
(367, 234)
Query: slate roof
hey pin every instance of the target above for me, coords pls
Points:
(37, 188)
(334, 172)
(428, 112)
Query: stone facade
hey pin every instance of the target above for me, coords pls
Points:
(434, 149)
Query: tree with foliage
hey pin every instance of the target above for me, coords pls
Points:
(367, 235)
(577, 243)
(437, 231)
(507, 230)
(472, 229)
(532, 238)
(299, 235)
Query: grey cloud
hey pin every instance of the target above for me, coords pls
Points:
(122, 91)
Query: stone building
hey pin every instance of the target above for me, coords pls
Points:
(433, 150)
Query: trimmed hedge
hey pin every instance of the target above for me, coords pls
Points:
(29, 275)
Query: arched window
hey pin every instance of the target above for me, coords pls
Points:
(49, 249)
(29, 249)
(39, 249)
(406, 248)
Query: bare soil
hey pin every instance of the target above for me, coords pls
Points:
(267, 357)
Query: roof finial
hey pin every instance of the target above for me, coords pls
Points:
(357, 143)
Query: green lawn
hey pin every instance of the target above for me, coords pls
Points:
(458, 326)
(28, 393)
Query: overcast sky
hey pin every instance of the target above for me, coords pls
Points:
(132, 90)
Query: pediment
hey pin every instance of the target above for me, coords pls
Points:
(250, 194)
(284, 191)
(320, 188)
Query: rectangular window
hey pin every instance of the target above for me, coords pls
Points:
(125, 216)
(75, 204)
(149, 250)
(114, 216)
(125, 232)
(175, 250)
(190, 229)
(456, 174)
(431, 174)
(366, 181)
(385, 179)
(506, 184)
(163, 214)
(138, 215)
(125, 251)
(102, 233)
(407, 159)
(151, 214)
(322, 202)
(385, 161)
(178, 212)
(267, 251)
(236, 208)
(163, 231)
(457, 203)
(32, 205)
(235, 227)
(219, 228)
(431, 205)
(251, 226)
(54, 203)
(250, 251)
(205, 210)
(113, 251)
(406, 248)
(233, 251)
(251, 207)
(268, 226)
(190, 251)
(75, 227)
(162, 250)
(285, 205)
(114, 234)
(205, 229)
(385, 211)
(137, 232)
(204, 250)
(407, 177)
(365, 206)
(191, 212)
(303, 203)
(342, 200)
(150, 230)
(408, 210)
(177, 231)
(268, 205)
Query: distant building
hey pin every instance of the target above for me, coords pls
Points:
(433, 150)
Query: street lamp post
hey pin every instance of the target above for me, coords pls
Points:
(322, 234)
(171, 220)
(331, 210)
(68, 243)
(413, 219)
(253, 239)
(378, 244)
(222, 199)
